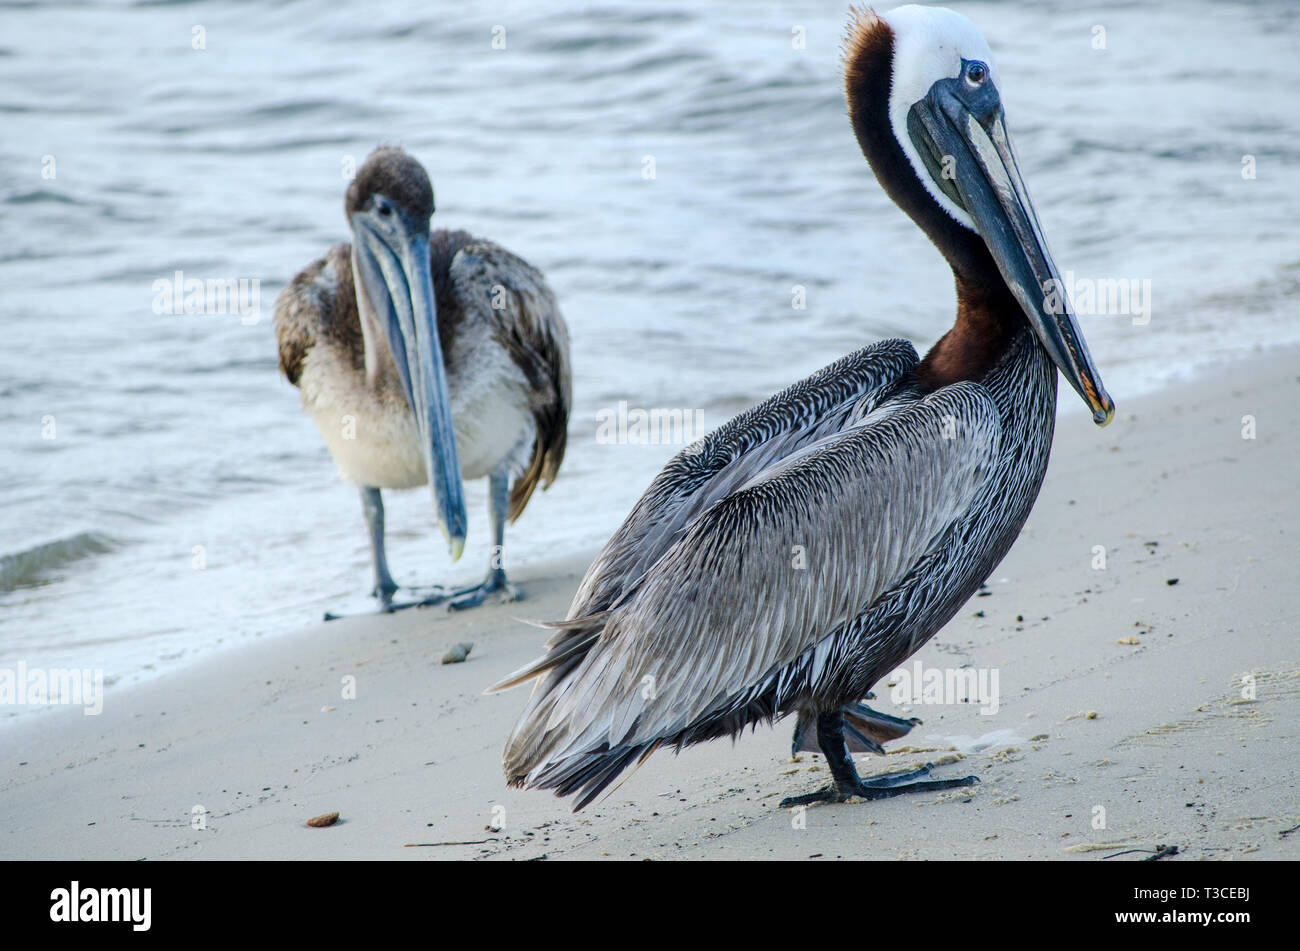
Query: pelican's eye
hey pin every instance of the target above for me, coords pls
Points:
(976, 73)
(383, 206)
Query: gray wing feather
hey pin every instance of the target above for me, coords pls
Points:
(717, 464)
(708, 470)
(727, 608)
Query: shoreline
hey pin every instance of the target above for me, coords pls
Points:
(260, 738)
(147, 666)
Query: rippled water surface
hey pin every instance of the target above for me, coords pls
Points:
(184, 501)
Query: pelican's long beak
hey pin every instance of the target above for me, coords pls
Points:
(393, 258)
(959, 130)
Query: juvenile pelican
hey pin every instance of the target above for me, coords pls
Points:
(427, 358)
(789, 560)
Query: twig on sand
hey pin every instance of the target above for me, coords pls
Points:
(1158, 853)
(427, 845)
(1162, 851)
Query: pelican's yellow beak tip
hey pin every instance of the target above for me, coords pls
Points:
(1104, 412)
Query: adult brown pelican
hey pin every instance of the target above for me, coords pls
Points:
(789, 560)
(427, 358)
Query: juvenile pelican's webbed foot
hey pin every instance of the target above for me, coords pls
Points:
(456, 599)
(494, 584)
(422, 596)
(388, 604)
(847, 783)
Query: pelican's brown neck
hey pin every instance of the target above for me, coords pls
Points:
(988, 319)
(988, 316)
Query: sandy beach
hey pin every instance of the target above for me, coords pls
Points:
(1157, 697)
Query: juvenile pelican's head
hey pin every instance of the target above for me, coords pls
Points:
(388, 205)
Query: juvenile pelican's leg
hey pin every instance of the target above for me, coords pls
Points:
(830, 735)
(498, 506)
(373, 506)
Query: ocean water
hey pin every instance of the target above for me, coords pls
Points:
(162, 496)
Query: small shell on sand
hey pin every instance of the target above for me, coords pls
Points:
(458, 653)
(321, 822)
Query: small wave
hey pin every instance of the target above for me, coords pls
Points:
(33, 196)
(32, 566)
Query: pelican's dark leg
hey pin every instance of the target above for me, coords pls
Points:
(498, 506)
(372, 504)
(830, 736)
(865, 729)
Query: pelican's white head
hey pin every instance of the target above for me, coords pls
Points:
(930, 44)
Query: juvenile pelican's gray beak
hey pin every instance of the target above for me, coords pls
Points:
(959, 131)
(393, 257)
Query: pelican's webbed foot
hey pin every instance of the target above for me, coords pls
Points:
(456, 599)
(495, 583)
(881, 787)
(385, 603)
(847, 784)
